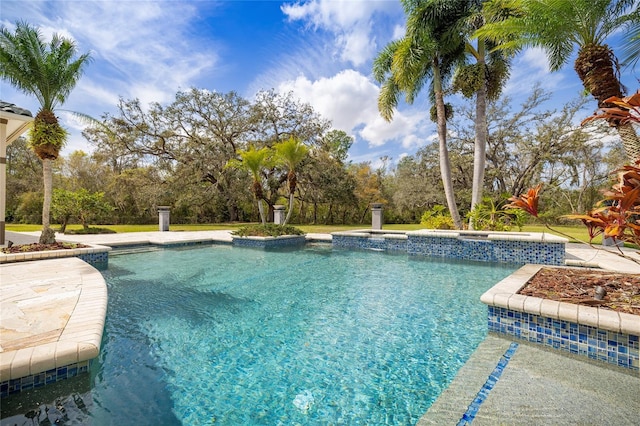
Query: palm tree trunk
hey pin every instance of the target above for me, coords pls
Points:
(261, 211)
(286, 219)
(445, 166)
(480, 145)
(630, 142)
(47, 236)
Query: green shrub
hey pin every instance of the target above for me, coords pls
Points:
(437, 218)
(89, 230)
(268, 230)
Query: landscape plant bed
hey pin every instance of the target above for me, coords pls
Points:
(578, 285)
(28, 248)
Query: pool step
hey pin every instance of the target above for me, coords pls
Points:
(133, 249)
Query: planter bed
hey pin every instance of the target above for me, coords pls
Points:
(269, 242)
(597, 333)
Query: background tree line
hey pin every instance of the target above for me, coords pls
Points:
(176, 155)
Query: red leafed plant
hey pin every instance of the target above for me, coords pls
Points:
(527, 202)
(617, 216)
(623, 111)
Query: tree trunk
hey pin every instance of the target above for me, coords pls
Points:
(480, 145)
(233, 211)
(261, 210)
(315, 213)
(630, 142)
(286, 219)
(47, 236)
(445, 166)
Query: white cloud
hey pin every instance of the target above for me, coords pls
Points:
(398, 32)
(349, 100)
(350, 21)
(139, 49)
(147, 50)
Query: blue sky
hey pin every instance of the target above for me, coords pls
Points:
(322, 50)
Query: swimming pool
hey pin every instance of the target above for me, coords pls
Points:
(229, 335)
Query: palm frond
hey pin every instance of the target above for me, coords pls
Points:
(388, 99)
(46, 71)
(291, 151)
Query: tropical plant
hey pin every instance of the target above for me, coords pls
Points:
(490, 215)
(254, 161)
(267, 230)
(617, 216)
(49, 72)
(527, 202)
(561, 26)
(625, 110)
(437, 218)
(433, 45)
(291, 152)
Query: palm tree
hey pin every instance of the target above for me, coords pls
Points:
(561, 26)
(291, 152)
(429, 51)
(49, 72)
(483, 79)
(254, 161)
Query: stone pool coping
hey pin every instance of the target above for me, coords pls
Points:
(504, 295)
(53, 314)
(84, 252)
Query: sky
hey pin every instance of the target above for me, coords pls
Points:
(321, 50)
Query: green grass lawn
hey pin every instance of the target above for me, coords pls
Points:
(577, 231)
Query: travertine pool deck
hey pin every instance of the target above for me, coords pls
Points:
(52, 312)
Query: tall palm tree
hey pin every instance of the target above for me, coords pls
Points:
(49, 72)
(291, 152)
(432, 46)
(254, 161)
(484, 79)
(560, 27)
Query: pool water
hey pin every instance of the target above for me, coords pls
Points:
(235, 336)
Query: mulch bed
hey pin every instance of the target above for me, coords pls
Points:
(578, 286)
(28, 248)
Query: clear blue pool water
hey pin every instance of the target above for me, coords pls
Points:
(233, 336)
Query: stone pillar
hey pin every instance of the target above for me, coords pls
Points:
(163, 218)
(278, 214)
(376, 216)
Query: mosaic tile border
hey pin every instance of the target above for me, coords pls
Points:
(382, 242)
(14, 386)
(615, 348)
(98, 259)
(475, 246)
(269, 242)
(493, 378)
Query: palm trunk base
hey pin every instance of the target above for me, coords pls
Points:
(48, 236)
